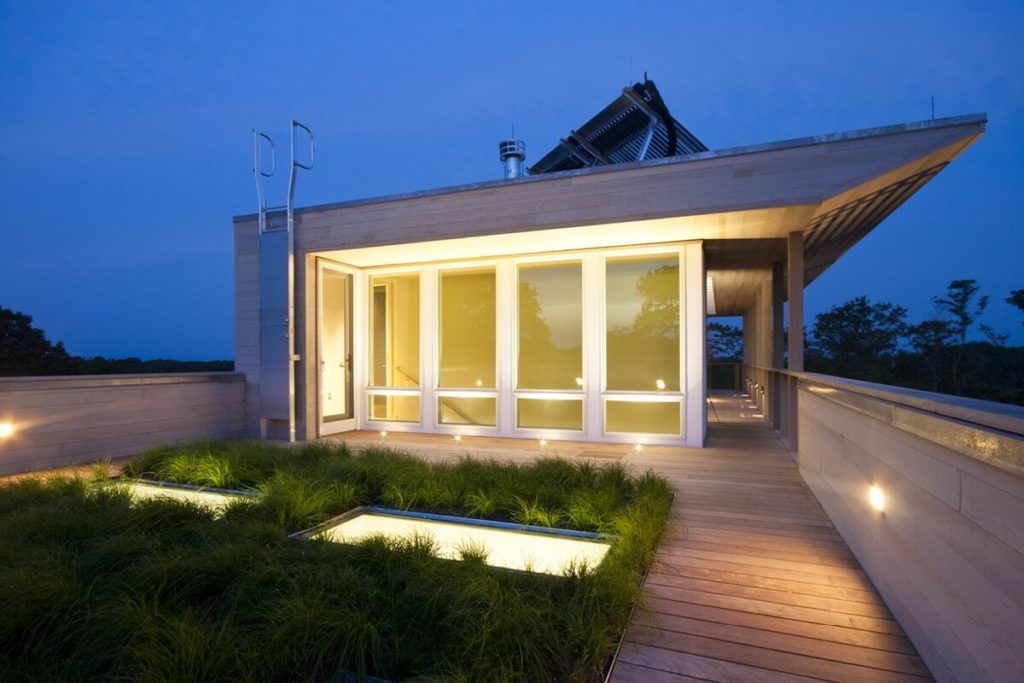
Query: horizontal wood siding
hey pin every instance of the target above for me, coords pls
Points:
(948, 552)
(247, 318)
(61, 421)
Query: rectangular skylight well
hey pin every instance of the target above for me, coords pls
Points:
(215, 500)
(512, 546)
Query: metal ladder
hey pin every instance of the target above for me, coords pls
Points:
(277, 298)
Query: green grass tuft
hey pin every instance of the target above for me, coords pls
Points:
(96, 586)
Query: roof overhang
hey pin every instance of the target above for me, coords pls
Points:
(741, 202)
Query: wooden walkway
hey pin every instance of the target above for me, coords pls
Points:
(751, 582)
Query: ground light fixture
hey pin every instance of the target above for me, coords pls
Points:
(383, 433)
(6, 430)
(877, 498)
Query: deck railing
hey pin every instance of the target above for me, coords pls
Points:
(928, 492)
(57, 421)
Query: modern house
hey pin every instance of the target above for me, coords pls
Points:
(829, 530)
(569, 303)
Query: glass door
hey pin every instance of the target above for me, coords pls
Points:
(334, 349)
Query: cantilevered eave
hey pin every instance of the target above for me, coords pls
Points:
(976, 121)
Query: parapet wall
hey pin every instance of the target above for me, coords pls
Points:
(57, 421)
(947, 550)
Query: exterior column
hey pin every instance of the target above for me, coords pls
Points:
(775, 393)
(795, 285)
(778, 322)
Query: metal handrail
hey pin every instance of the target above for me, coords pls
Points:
(259, 173)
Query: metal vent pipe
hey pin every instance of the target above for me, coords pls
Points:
(512, 154)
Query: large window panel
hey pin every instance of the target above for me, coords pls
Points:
(395, 330)
(550, 322)
(642, 318)
(545, 413)
(465, 410)
(389, 408)
(467, 334)
(642, 417)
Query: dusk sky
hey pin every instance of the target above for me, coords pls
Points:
(126, 143)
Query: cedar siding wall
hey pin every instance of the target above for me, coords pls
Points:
(948, 553)
(67, 420)
(247, 318)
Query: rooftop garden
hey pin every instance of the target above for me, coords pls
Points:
(98, 584)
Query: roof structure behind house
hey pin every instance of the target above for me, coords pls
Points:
(635, 127)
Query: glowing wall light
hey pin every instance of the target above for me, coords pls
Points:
(6, 429)
(877, 498)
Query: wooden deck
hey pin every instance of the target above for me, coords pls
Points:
(751, 582)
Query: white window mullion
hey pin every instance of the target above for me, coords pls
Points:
(593, 344)
(507, 343)
(428, 347)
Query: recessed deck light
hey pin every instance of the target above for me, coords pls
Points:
(877, 498)
(638, 447)
(543, 442)
(383, 432)
(458, 438)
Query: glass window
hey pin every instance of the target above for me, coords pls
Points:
(636, 417)
(467, 329)
(542, 413)
(642, 323)
(394, 408)
(395, 330)
(551, 326)
(460, 410)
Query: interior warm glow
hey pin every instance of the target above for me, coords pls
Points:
(877, 498)
(6, 429)
(513, 549)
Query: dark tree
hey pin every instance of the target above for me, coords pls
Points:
(1016, 298)
(932, 339)
(725, 342)
(962, 306)
(858, 339)
(25, 350)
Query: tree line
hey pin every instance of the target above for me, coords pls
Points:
(950, 352)
(25, 351)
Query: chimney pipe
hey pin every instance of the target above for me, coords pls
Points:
(512, 154)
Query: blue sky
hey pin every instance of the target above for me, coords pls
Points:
(126, 143)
